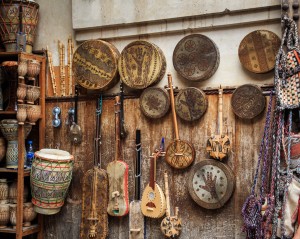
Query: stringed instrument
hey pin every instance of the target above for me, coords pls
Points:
(171, 225)
(153, 199)
(118, 202)
(179, 154)
(94, 219)
(136, 218)
(218, 145)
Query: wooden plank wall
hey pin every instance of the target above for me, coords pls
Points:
(197, 222)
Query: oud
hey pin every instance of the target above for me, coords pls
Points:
(153, 199)
(171, 225)
(218, 145)
(118, 203)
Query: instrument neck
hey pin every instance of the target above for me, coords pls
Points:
(138, 166)
(117, 129)
(220, 111)
(152, 171)
(173, 106)
(168, 210)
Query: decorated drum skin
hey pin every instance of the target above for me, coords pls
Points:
(196, 57)
(190, 103)
(154, 102)
(50, 177)
(141, 64)
(258, 50)
(95, 65)
(248, 101)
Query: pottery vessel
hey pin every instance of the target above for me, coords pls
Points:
(21, 92)
(13, 192)
(13, 214)
(33, 69)
(28, 214)
(32, 94)
(21, 113)
(22, 69)
(3, 191)
(4, 215)
(33, 113)
(2, 148)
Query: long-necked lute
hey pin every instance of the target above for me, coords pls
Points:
(136, 218)
(171, 225)
(153, 199)
(179, 154)
(118, 203)
(218, 145)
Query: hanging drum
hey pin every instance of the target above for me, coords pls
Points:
(248, 101)
(190, 104)
(141, 64)
(95, 65)
(258, 50)
(154, 102)
(196, 57)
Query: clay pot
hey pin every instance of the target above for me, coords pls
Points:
(28, 214)
(32, 94)
(33, 113)
(3, 191)
(21, 92)
(13, 214)
(4, 215)
(2, 148)
(13, 192)
(21, 113)
(33, 69)
(22, 69)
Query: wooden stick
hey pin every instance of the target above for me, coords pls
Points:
(70, 73)
(220, 111)
(62, 68)
(168, 210)
(173, 106)
(52, 73)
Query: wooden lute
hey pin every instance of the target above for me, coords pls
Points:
(153, 199)
(171, 225)
(218, 145)
(179, 154)
(118, 204)
(136, 218)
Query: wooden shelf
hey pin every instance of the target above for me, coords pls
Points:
(3, 112)
(26, 230)
(7, 170)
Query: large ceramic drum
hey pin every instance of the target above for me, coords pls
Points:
(10, 22)
(196, 57)
(50, 177)
(141, 64)
(95, 65)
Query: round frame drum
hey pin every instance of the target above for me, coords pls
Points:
(154, 102)
(196, 57)
(141, 64)
(95, 65)
(50, 177)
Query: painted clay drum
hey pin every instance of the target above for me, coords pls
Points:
(22, 68)
(50, 177)
(32, 94)
(258, 50)
(154, 102)
(13, 214)
(190, 104)
(13, 192)
(21, 113)
(33, 113)
(4, 215)
(141, 64)
(21, 92)
(28, 214)
(95, 65)
(196, 57)
(248, 101)
(3, 191)
(33, 69)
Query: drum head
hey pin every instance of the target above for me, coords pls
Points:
(196, 57)
(154, 102)
(95, 65)
(258, 50)
(248, 101)
(55, 154)
(190, 104)
(141, 64)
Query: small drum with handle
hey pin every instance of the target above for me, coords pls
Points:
(50, 177)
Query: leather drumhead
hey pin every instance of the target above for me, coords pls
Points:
(154, 102)
(95, 65)
(141, 64)
(248, 101)
(258, 50)
(196, 57)
(190, 103)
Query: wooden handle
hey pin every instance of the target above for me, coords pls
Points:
(117, 129)
(168, 211)
(70, 73)
(52, 74)
(62, 68)
(173, 106)
(220, 113)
